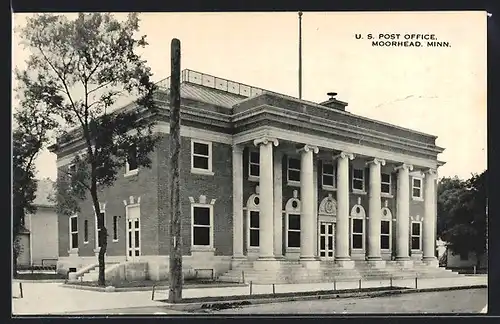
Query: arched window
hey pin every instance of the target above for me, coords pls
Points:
(327, 215)
(253, 221)
(358, 216)
(292, 209)
(386, 228)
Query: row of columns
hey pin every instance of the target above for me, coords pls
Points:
(268, 220)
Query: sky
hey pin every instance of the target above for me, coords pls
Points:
(435, 90)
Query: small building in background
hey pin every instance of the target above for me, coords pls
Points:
(39, 238)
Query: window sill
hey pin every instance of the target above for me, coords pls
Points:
(253, 249)
(328, 188)
(131, 173)
(114, 241)
(201, 171)
(202, 248)
(293, 249)
(358, 192)
(358, 250)
(253, 178)
(73, 251)
(293, 183)
(417, 199)
(386, 195)
(86, 242)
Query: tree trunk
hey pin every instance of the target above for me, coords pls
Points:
(478, 261)
(103, 237)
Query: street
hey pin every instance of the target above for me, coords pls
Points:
(453, 301)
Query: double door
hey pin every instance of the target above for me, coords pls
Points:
(326, 240)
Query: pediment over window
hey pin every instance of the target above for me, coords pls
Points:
(328, 206)
(357, 210)
(293, 204)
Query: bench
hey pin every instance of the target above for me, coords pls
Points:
(196, 271)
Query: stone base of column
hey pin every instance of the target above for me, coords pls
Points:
(405, 263)
(431, 261)
(376, 263)
(268, 263)
(310, 262)
(345, 263)
(237, 259)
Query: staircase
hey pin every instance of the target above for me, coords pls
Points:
(92, 274)
(294, 272)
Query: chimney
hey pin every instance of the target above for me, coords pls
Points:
(334, 103)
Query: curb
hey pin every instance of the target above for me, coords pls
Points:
(209, 304)
(128, 289)
(39, 281)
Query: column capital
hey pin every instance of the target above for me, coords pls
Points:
(404, 166)
(307, 147)
(376, 161)
(430, 172)
(344, 155)
(265, 140)
(238, 148)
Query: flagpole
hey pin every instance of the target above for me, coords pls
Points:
(300, 54)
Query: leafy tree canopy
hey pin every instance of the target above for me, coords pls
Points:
(462, 214)
(81, 68)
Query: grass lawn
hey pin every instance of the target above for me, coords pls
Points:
(40, 276)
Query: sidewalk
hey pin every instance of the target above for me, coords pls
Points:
(54, 298)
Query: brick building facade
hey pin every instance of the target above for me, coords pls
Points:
(266, 177)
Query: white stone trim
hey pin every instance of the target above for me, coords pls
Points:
(164, 128)
(355, 190)
(332, 144)
(338, 128)
(71, 248)
(334, 174)
(362, 216)
(210, 157)
(421, 197)
(420, 236)
(211, 230)
(252, 207)
(127, 219)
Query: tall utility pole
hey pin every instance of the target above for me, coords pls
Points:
(175, 291)
(300, 54)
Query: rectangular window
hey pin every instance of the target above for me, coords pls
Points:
(253, 164)
(385, 235)
(254, 228)
(293, 170)
(358, 179)
(415, 235)
(115, 228)
(417, 188)
(201, 156)
(293, 230)
(73, 232)
(132, 159)
(202, 226)
(328, 176)
(98, 230)
(386, 183)
(357, 233)
(85, 231)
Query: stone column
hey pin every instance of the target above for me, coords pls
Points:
(266, 195)
(278, 204)
(315, 214)
(403, 214)
(375, 212)
(429, 222)
(237, 202)
(307, 203)
(342, 227)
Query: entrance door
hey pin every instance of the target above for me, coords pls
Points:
(326, 236)
(133, 239)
